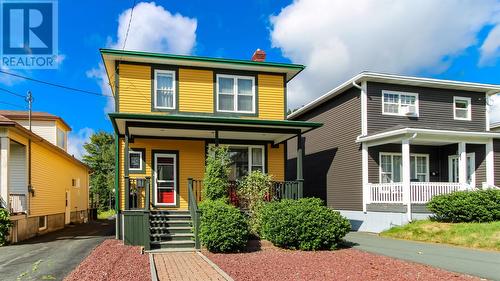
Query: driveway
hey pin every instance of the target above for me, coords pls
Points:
(479, 263)
(54, 255)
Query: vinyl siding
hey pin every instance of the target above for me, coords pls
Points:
(271, 95)
(18, 169)
(276, 162)
(45, 129)
(196, 90)
(435, 109)
(332, 161)
(51, 177)
(496, 156)
(134, 92)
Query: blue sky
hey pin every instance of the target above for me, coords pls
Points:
(333, 39)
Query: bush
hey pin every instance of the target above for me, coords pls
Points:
(5, 223)
(303, 224)
(252, 190)
(466, 206)
(216, 178)
(223, 228)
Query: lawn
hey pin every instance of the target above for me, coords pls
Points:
(103, 215)
(472, 235)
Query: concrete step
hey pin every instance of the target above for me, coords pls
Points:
(172, 236)
(184, 244)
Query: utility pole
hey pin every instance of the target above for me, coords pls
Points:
(29, 99)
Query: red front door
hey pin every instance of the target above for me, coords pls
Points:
(165, 179)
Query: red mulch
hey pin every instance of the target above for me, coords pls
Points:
(271, 263)
(113, 261)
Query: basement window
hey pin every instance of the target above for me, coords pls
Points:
(42, 222)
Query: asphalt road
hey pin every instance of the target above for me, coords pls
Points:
(481, 263)
(54, 255)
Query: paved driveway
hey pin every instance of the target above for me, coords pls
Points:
(52, 256)
(485, 264)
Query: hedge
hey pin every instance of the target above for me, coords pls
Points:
(5, 223)
(466, 206)
(304, 224)
(223, 228)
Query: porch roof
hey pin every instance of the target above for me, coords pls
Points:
(207, 127)
(427, 136)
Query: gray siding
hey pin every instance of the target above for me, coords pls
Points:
(435, 109)
(496, 155)
(332, 158)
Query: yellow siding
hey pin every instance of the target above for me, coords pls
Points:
(196, 90)
(52, 175)
(134, 92)
(191, 162)
(276, 162)
(271, 95)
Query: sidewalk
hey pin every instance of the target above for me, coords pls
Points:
(485, 264)
(186, 266)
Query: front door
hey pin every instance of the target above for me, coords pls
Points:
(67, 213)
(165, 179)
(453, 165)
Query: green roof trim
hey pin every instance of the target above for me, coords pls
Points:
(201, 59)
(212, 119)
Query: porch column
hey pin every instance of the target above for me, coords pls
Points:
(405, 158)
(216, 139)
(490, 165)
(364, 175)
(462, 163)
(126, 173)
(4, 171)
(300, 177)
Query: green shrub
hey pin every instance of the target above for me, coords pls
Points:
(466, 206)
(252, 190)
(5, 223)
(304, 224)
(223, 227)
(216, 178)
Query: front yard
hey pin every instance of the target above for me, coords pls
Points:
(473, 235)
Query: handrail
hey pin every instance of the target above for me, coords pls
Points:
(194, 211)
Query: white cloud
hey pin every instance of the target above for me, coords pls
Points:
(336, 39)
(155, 29)
(77, 140)
(99, 74)
(495, 109)
(490, 50)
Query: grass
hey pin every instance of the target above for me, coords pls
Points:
(472, 235)
(102, 215)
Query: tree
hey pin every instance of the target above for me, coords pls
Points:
(100, 157)
(216, 179)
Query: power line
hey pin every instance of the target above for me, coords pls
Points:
(128, 27)
(12, 93)
(54, 84)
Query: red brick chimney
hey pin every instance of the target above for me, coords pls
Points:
(259, 55)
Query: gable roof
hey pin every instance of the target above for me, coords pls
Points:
(489, 89)
(35, 115)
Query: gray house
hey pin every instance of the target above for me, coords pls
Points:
(390, 143)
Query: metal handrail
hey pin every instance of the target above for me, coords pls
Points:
(193, 194)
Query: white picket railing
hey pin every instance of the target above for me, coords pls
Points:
(420, 192)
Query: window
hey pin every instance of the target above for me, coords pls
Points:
(42, 223)
(461, 108)
(235, 94)
(135, 160)
(453, 167)
(391, 166)
(164, 89)
(61, 138)
(399, 103)
(245, 158)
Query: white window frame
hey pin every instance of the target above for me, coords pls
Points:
(249, 147)
(400, 113)
(174, 156)
(235, 93)
(59, 139)
(472, 156)
(45, 223)
(392, 154)
(155, 93)
(140, 162)
(469, 108)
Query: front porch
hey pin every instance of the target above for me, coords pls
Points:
(410, 166)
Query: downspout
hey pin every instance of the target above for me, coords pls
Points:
(357, 85)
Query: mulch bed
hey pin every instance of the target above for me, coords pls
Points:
(271, 263)
(113, 261)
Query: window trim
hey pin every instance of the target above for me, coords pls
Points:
(249, 147)
(63, 139)
(155, 87)
(44, 227)
(142, 153)
(399, 93)
(235, 93)
(472, 155)
(469, 108)
(427, 175)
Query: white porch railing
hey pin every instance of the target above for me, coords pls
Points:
(420, 192)
(18, 203)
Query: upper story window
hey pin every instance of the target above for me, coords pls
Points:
(164, 89)
(235, 94)
(399, 103)
(61, 138)
(461, 108)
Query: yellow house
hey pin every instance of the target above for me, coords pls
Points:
(41, 185)
(169, 110)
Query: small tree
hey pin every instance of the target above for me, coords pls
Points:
(252, 190)
(216, 179)
(5, 223)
